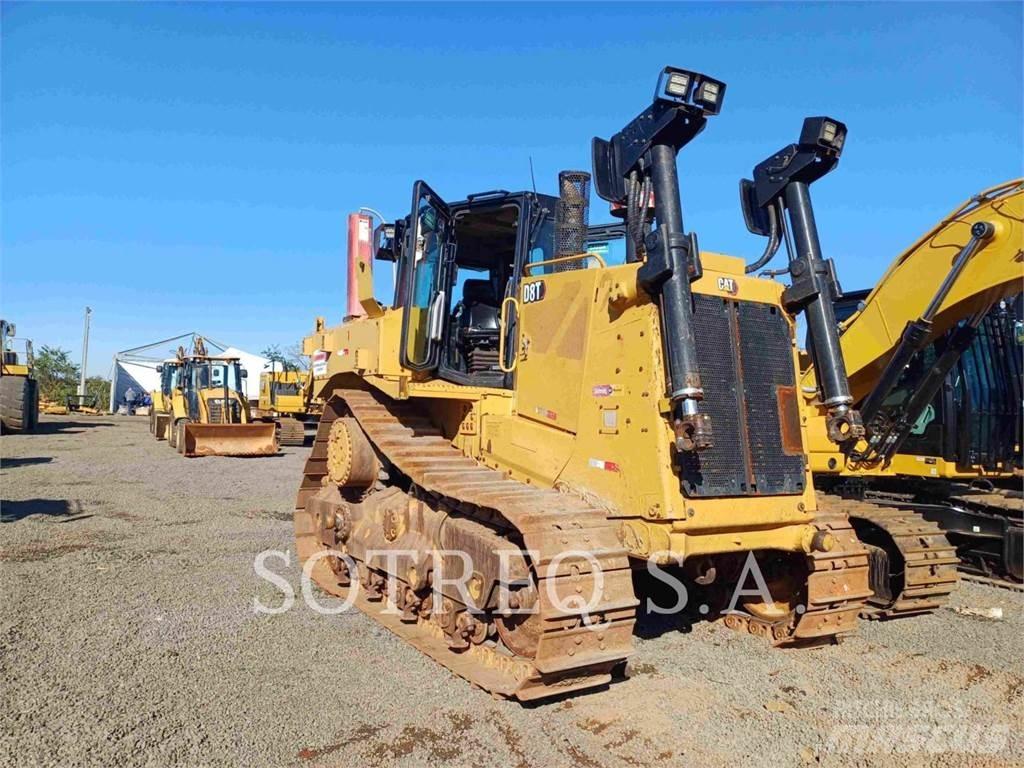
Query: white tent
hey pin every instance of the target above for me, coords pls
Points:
(135, 368)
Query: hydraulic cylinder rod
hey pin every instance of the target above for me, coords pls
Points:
(915, 335)
(676, 304)
(821, 319)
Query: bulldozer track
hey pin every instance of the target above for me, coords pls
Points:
(576, 649)
(837, 588)
(291, 431)
(929, 572)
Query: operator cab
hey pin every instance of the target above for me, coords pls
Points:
(457, 265)
(170, 376)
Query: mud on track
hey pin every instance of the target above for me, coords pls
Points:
(127, 635)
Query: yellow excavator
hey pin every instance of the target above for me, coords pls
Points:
(541, 423)
(934, 360)
(209, 412)
(286, 398)
(19, 391)
(160, 413)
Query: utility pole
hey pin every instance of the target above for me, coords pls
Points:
(85, 353)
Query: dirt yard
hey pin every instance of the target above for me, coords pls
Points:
(128, 636)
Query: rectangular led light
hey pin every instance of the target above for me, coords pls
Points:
(678, 85)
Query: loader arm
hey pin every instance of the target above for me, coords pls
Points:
(994, 271)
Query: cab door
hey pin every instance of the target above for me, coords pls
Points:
(429, 250)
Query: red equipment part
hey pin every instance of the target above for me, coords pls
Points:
(360, 234)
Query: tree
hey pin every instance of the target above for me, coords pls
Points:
(57, 375)
(98, 387)
(299, 361)
(281, 362)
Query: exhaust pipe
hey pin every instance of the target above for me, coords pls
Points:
(572, 213)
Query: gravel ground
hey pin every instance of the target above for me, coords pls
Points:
(128, 636)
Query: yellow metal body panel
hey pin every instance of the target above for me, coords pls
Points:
(162, 401)
(870, 336)
(283, 403)
(585, 414)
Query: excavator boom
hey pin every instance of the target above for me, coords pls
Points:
(994, 271)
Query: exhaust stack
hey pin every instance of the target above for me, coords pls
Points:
(572, 213)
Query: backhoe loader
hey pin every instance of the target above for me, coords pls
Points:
(160, 413)
(286, 399)
(541, 423)
(209, 413)
(19, 391)
(935, 368)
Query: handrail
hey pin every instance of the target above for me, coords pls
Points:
(503, 328)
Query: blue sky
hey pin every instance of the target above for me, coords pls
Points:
(190, 166)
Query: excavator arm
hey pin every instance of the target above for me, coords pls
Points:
(917, 279)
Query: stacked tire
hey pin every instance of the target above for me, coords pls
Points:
(19, 404)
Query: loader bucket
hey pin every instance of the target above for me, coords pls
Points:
(230, 439)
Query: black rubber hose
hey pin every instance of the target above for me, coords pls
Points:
(773, 244)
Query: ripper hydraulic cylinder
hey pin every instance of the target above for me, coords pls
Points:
(781, 185)
(640, 160)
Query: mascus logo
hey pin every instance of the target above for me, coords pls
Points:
(728, 285)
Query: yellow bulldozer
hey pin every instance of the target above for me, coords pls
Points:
(160, 412)
(540, 423)
(286, 398)
(934, 361)
(19, 390)
(209, 412)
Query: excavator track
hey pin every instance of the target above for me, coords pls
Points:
(562, 649)
(913, 565)
(985, 525)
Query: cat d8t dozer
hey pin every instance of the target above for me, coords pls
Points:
(209, 413)
(526, 424)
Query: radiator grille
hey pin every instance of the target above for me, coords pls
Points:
(718, 471)
(216, 409)
(744, 355)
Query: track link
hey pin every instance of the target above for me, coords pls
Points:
(291, 431)
(922, 582)
(836, 591)
(570, 655)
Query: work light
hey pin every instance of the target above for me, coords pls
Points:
(823, 132)
(678, 85)
(707, 96)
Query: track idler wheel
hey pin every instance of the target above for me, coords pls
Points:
(351, 460)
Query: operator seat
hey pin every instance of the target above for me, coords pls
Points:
(479, 309)
(479, 326)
